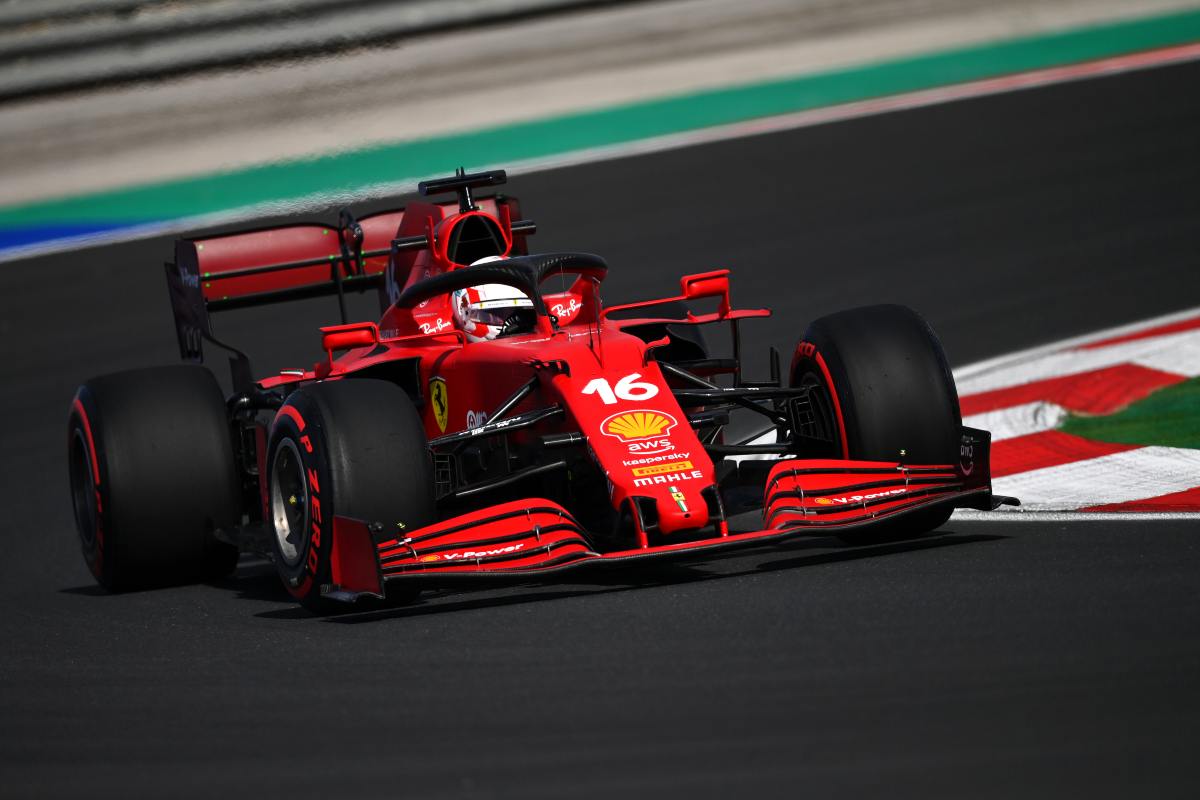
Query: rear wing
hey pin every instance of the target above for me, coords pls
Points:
(294, 262)
(253, 268)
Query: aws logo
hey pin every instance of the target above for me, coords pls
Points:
(632, 426)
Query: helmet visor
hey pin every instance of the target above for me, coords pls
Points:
(492, 316)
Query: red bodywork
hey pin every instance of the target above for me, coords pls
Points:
(604, 380)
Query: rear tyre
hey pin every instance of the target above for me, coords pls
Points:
(152, 477)
(354, 447)
(883, 377)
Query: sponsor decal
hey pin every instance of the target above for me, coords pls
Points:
(662, 469)
(857, 498)
(188, 279)
(439, 397)
(639, 425)
(677, 496)
(393, 286)
(565, 311)
(650, 447)
(503, 302)
(476, 419)
(504, 423)
(494, 551)
(966, 455)
(633, 462)
(668, 479)
(436, 326)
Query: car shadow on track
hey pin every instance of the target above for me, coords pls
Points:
(90, 590)
(632, 577)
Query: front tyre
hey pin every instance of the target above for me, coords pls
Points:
(884, 378)
(152, 477)
(355, 448)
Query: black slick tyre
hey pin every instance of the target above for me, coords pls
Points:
(355, 448)
(883, 376)
(152, 477)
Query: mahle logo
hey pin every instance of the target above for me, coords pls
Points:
(632, 426)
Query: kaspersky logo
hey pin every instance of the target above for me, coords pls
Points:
(632, 426)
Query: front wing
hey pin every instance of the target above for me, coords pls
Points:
(531, 538)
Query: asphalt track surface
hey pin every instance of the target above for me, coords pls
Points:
(988, 660)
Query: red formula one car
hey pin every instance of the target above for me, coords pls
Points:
(512, 437)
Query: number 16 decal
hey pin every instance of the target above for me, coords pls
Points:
(628, 388)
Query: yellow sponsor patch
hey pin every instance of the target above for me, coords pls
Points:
(662, 469)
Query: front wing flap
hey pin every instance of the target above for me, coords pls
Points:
(527, 539)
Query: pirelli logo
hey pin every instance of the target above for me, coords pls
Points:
(662, 469)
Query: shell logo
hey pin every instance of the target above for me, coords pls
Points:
(430, 558)
(824, 501)
(629, 426)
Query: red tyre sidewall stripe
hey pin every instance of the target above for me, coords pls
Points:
(837, 403)
(291, 413)
(96, 557)
(300, 590)
(91, 443)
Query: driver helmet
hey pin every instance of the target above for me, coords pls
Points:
(482, 312)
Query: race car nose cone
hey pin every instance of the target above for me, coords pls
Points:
(679, 511)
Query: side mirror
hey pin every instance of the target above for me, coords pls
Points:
(344, 337)
(707, 284)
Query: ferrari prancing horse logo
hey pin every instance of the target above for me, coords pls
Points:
(441, 402)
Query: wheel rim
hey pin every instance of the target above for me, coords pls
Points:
(289, 502)
(83, 491)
